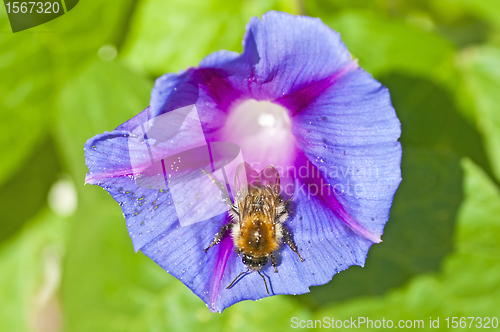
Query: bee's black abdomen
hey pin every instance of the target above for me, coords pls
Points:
(255, 263)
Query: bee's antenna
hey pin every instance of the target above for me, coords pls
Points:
(239, 275)
(265, 283)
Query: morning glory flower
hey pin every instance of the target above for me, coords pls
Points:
(294, 99)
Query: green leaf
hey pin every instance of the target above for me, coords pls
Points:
(102, 97)
(35, 63)
(105, 283)
(430, 118)
(26, 97)
(466, 286)
(481, 79)
(489, 10)
(103, 278)
(31, 272)
(453, 19)
(383, 44)
(170, 36)
(25, 193)
(83, 31)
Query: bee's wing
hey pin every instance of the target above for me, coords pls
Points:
(270, 176)
(244, 177)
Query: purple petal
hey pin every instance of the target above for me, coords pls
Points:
(350, 133)
(130, 165)
(172, 91)
(180, 252)
(147, 212)
(278, 59)
(294, 52)
(327, 248)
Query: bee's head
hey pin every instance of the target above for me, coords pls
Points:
(255, 263)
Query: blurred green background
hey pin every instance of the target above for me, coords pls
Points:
(66, 261)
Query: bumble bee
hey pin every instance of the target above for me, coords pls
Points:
(257, 218)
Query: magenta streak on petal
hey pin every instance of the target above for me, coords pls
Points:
(329, 198)
(219, 87)
(126, 172)
(225, 247)
(301, 98)
(89, 178)
(93, 178)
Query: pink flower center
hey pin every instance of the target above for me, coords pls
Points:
(262, 130)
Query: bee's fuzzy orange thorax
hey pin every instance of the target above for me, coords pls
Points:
(257, 235)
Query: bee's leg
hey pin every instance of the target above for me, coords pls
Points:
(235, 279)
(219, 235)
(283, 211)
(287, 237)
(274, 262)
(265, 283)
(225, 195)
